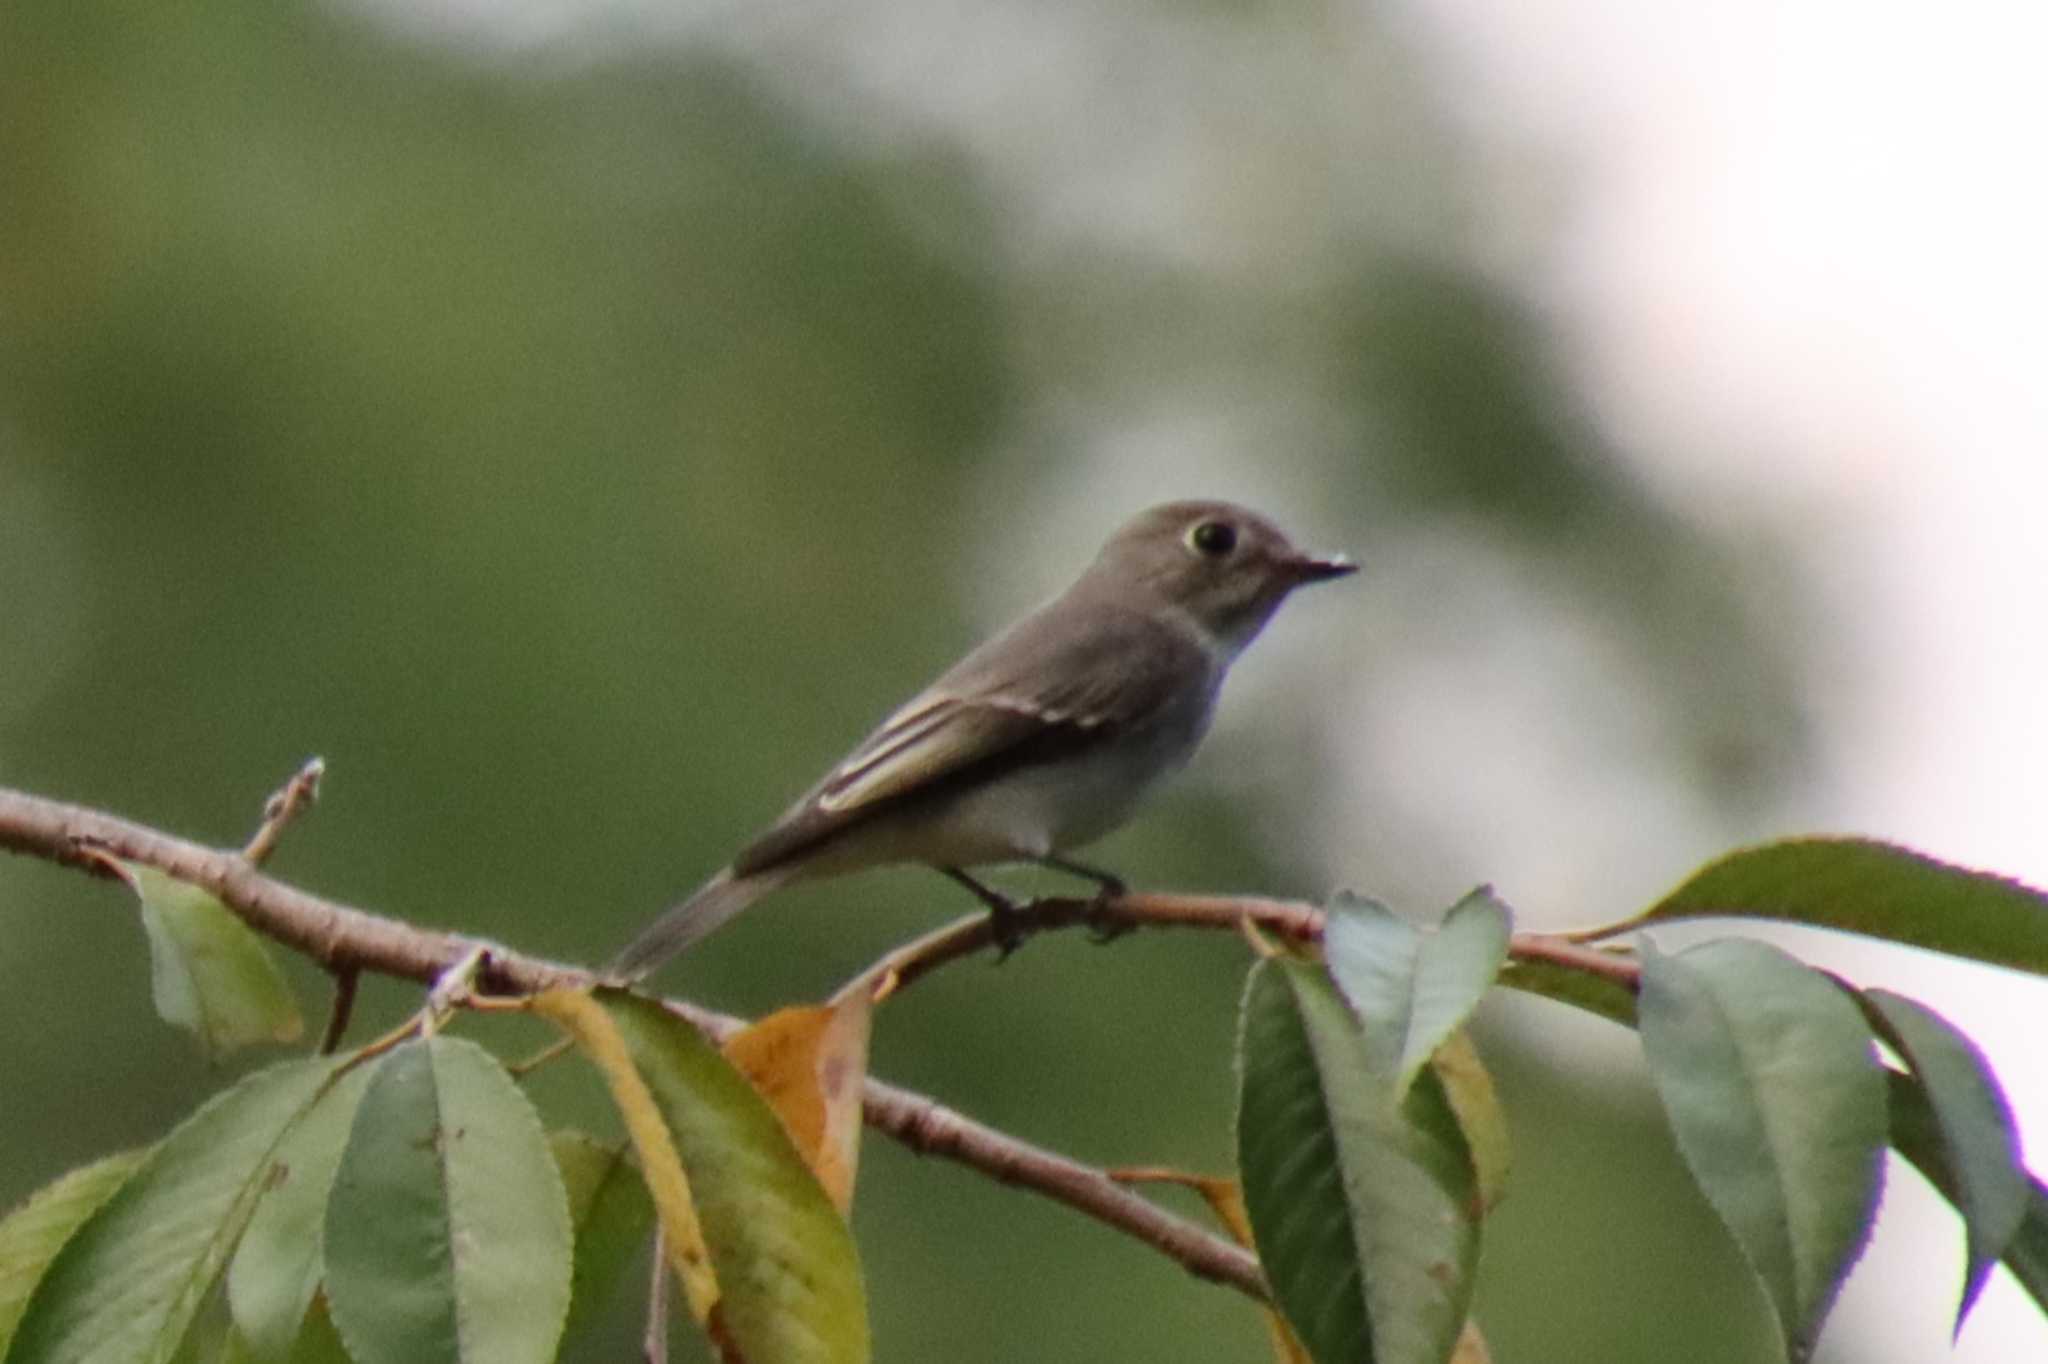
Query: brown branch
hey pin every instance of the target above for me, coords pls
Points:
(344, 939)
(333, 934)
(1562, 950)
(1108, 918)
(932, 1129)
(1289, 919)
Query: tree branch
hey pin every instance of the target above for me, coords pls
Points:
(1289, 919)
(346, 940)
(930, 1128)
(332, 934)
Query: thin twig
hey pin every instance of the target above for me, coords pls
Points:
(1112, 917)
(1561, 950)
(1287, 919)
(561, 1046)
(930, 1128)
(282, 808)
(346, 979)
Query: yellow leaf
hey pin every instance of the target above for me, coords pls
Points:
(1470, 1091)
(809, 1063)
(579, 1015)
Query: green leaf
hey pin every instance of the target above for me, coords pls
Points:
(447, 1230)
(2027, 1255)
(129, 1282)
(33, 1233)
(1365, 1215)
(319, 1342)
(1413, 989)
(1980, 1147)
(209, 972)
(1767, 1074)
(1875, 889)
(277, 1267)
(1916, 1134)
(788, 1274)
(610, 1211)
(1292, 1171)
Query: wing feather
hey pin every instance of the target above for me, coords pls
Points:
(1031, 694)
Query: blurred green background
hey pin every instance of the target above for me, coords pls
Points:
(578, 425)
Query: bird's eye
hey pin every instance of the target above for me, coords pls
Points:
(1212, 539)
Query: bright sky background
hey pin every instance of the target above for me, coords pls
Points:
(1807, 266)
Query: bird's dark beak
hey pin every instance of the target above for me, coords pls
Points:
(1308, 568)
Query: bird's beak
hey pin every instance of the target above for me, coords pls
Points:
(1309, 568)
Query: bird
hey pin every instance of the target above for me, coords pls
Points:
(1039, 741)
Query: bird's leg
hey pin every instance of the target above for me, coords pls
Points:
(1101, 928)
(1005, 917)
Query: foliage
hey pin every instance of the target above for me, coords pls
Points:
(405, 1203)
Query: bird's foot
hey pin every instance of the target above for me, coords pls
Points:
(1104, 924)
(1008, 924)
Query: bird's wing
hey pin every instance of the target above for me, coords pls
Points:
(982, 718)
(936, 734)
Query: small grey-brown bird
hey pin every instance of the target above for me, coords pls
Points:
(1041, 740)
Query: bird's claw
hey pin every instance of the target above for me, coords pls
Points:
(1006, 924)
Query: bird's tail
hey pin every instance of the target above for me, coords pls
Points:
(717, 900)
